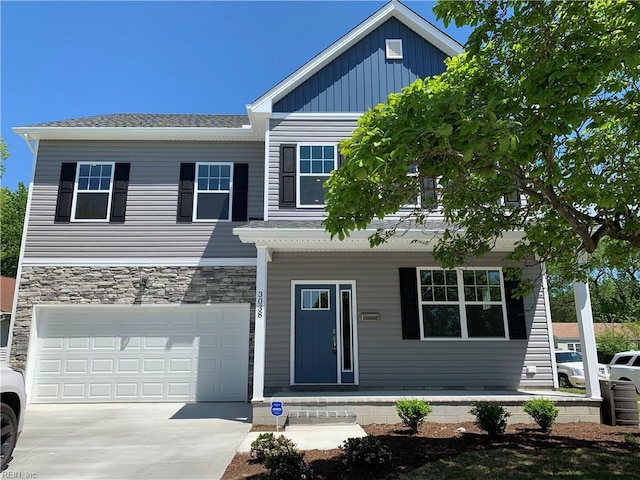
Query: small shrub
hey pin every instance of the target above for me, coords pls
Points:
(490, 417)
(365, 452)
(285, 462)
(280, 457)
(544, 412)
(268, 443)
(413, 412)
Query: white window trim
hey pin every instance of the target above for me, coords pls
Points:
(461, 303)
(389, 50)
(299, 174)
(319, 290)
(75, 194)
(418, 204)
(196, 191)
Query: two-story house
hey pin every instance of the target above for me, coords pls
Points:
(182, 258)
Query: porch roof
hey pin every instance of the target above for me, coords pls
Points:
(310, 235)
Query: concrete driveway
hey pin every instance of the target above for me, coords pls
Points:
(126, 441)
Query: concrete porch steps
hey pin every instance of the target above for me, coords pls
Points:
(321, 417)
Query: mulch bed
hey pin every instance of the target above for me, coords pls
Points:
(436, 441)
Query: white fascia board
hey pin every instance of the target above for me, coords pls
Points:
(423, 28)
(246, 132)
(139, 262)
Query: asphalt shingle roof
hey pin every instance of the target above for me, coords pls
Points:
(152, 120)
(317, 224)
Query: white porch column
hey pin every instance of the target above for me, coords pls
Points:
(587, 338)
(260, 329)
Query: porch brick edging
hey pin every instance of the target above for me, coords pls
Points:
(444, 411)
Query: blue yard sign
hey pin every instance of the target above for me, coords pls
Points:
(277, 409)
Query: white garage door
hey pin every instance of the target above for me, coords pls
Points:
(141, 354)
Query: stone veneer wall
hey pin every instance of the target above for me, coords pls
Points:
(121, 285)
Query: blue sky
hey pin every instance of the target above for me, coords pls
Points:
(63, 60)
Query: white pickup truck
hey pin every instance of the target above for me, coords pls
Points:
(13, 400)
(626, 366)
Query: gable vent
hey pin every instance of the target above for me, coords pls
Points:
(394, 48)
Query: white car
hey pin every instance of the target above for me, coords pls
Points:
(13, 399)
(571, 369)
(626, 366)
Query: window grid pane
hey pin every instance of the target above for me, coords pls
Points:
(481, 307)
(94, 177)
(214, 177)
(317, 159)
(314, 299)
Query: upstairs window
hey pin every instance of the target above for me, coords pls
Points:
(212, 199)
(315, 163)
(92, 192)
(213, 191)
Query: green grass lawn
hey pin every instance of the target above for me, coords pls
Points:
(523, 464)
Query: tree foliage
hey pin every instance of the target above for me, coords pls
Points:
(13, 206)
(4, 154)
(544, 102)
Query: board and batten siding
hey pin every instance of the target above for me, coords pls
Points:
(363, 77)
(385, 359)
(150, 229)
(295, 132)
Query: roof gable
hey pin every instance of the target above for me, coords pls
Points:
(362, 76)
(393, 9)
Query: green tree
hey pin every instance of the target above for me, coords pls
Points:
(4, 154)
(544, 102)
(13, 206)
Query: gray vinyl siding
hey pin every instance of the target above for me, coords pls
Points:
(385, 359)
(362, 77)
(150, 229)
(294, 132)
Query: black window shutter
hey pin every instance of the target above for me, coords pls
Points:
(185, 192)
(288, 175)
(409, 304)
(340, 159)
(515, 312)
(65, 192)
(120, 189)
(240, 192)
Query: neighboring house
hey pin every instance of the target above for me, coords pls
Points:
(7, 291)
(182, 257)
(566, 336)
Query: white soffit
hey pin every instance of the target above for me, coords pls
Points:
(404, 14)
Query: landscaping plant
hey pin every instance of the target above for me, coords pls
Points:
(413, 412)
(490, 417)
(365, 452)
(544, 412)
(280, 457)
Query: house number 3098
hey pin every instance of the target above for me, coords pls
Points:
(260, 303)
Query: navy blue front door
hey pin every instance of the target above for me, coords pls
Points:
(315, 334)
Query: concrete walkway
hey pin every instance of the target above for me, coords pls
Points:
(125, 441)
(311, 437)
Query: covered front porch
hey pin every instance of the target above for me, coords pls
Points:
(450, 374)
(449, 406)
